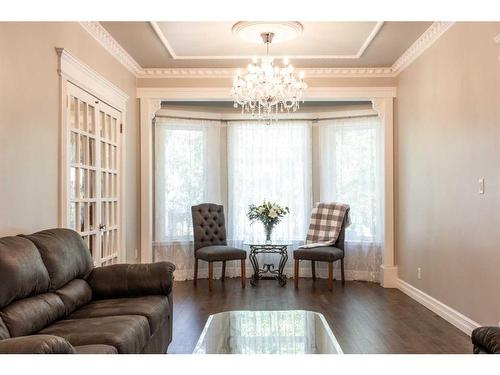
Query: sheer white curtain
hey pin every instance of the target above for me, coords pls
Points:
(187, 172)
(271, 162)
(351, 171)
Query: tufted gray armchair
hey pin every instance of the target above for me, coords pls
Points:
(210, 244)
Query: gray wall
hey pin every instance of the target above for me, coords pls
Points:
(29, 125)
(447, 138)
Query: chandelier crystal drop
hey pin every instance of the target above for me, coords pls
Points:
(266, 89)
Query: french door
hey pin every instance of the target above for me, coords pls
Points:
(94, 138)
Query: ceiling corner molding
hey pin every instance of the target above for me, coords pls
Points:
(426, 40)
(109, 43)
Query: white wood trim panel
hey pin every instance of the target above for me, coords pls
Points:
(148, 108)
(88, 79)
(224, 94)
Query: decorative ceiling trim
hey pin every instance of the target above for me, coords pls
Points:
(433, 33)
(229, 73)
(112, 46)
(171, 51)
(427, 39)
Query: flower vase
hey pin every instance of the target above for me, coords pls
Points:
(269, 232)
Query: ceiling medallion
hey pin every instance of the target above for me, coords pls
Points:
(266, 89)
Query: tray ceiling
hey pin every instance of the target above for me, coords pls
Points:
(214, 45)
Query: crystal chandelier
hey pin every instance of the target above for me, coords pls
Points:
(268, 89)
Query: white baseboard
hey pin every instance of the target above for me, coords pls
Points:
(452, 316)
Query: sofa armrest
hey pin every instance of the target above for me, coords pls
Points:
(126, 280)
(486, 340)
(36, 344)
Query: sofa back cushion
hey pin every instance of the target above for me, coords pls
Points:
(29, 315)
(22, 271)
(75, 294)
(64, 254)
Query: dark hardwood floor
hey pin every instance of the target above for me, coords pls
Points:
(364, 317)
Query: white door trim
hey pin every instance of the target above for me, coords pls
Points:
(71, 69)
(381, 97)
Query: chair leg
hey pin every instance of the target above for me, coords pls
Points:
(223, 270)
(243, 274)
(330, 275)
(342, 271)
(313, 269)
(195, 271)
(296, 273)
(210, 275)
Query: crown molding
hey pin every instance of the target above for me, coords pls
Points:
(109, 43)
(229, 73)
(432, 34)
(427, 39)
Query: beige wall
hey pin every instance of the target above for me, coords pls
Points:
(447, 138)
(29, 106)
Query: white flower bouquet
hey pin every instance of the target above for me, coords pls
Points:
(269, 214)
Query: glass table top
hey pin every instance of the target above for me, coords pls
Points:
(264, 243)
(267, 332)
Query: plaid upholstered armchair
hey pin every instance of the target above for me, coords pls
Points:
(331, 253)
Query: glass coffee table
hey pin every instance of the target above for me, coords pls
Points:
(267, 332)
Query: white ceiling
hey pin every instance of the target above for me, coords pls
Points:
(213, 45)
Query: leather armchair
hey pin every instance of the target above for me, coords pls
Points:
(486, 340)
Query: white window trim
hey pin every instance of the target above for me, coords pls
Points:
(71, 69)
(382, 100)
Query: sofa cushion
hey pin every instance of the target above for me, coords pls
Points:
(219, 253)
(64, 254)
(4, 332)
(22, 272)
(322, 254)
(29, 315)
(96, 349)
(154, 308)
(127, 333)
(74, 294)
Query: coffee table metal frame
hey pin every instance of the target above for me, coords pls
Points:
(268, 271)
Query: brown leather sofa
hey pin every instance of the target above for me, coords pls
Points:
(52, 299)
